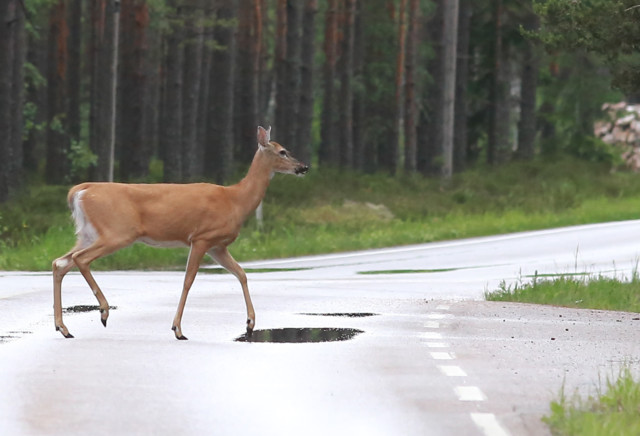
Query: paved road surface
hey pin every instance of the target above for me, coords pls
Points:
(434, 360)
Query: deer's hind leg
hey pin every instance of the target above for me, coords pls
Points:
(83, 258)
(61, 266)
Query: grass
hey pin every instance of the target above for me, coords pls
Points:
(328, 211)
(613, 412)
(575, 290)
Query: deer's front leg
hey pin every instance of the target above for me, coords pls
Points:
(223, 257)
(193, 263)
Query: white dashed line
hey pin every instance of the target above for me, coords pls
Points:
(432, 324)
(442, 307)
(452, 371)
(437, 345)
(438, 316)
(489, 424)
(469, 393)
(431, 335)
(439, 355)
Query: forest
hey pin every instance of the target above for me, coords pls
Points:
(113, 90)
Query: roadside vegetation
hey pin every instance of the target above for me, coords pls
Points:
(612, 412)
(614, 409)
(331, 212)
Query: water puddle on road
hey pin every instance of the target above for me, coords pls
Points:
(300, 335)
(346, 315)
(84, 308)
(13, 335)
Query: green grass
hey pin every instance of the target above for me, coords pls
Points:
(613, 412)
(328, 211)
(574, 290)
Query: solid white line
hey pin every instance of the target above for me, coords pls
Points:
(469, 393)
(437, 345)
(452, 371)
(431, 335)
(432, 324)
(489, 424)
(441, 355)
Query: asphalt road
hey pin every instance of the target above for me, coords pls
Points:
(431, 359)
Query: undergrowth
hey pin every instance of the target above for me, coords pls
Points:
(330, 211)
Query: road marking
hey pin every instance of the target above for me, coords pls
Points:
(438, 316)
(442, 307)
(437, 345)
(442, 355)
(431, 335)
(432, 324)
(452, 371)
(469, 393)
(489, 424)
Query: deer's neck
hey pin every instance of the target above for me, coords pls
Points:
(252, 189)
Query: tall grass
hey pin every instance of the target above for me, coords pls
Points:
(580, 291)
(329, 211)
(612, 412)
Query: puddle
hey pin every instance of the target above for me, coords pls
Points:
(10, 336)
(346, 315)
(300, 335)
(84, 308)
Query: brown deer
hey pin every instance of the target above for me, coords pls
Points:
(205, 217)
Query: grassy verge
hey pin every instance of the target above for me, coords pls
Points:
(580, 291)
(614, 411)
(329, 212)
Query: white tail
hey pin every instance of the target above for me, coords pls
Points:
(205, 217)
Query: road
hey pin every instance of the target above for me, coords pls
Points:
(432, 359)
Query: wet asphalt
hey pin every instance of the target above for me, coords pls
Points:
(383, 342)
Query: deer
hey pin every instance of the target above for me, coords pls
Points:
(205, 217)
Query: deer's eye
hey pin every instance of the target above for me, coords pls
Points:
(283, 153)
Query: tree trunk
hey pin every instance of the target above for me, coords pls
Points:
(527, 127)
(305, 117)
(431, 117)
(394, 146)
(134, 156)
(280, 69)
(105, 19)
(346, 87)
(7, 45)
(57, 165)
(75, 64)
(460, 137)
(218, 152)
(170, 137)
(411, 111)
(450, 42)
(19, 56)
(328, 150)
(191, 89)
(246, 89)
(205, 71)
(37, 98)
(359, 91)
(498, 145)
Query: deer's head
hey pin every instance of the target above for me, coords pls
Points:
(281, 160)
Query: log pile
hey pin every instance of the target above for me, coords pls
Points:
(621, 128)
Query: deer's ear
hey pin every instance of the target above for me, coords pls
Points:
(264, 136)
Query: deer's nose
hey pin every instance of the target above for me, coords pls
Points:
(302, 169)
